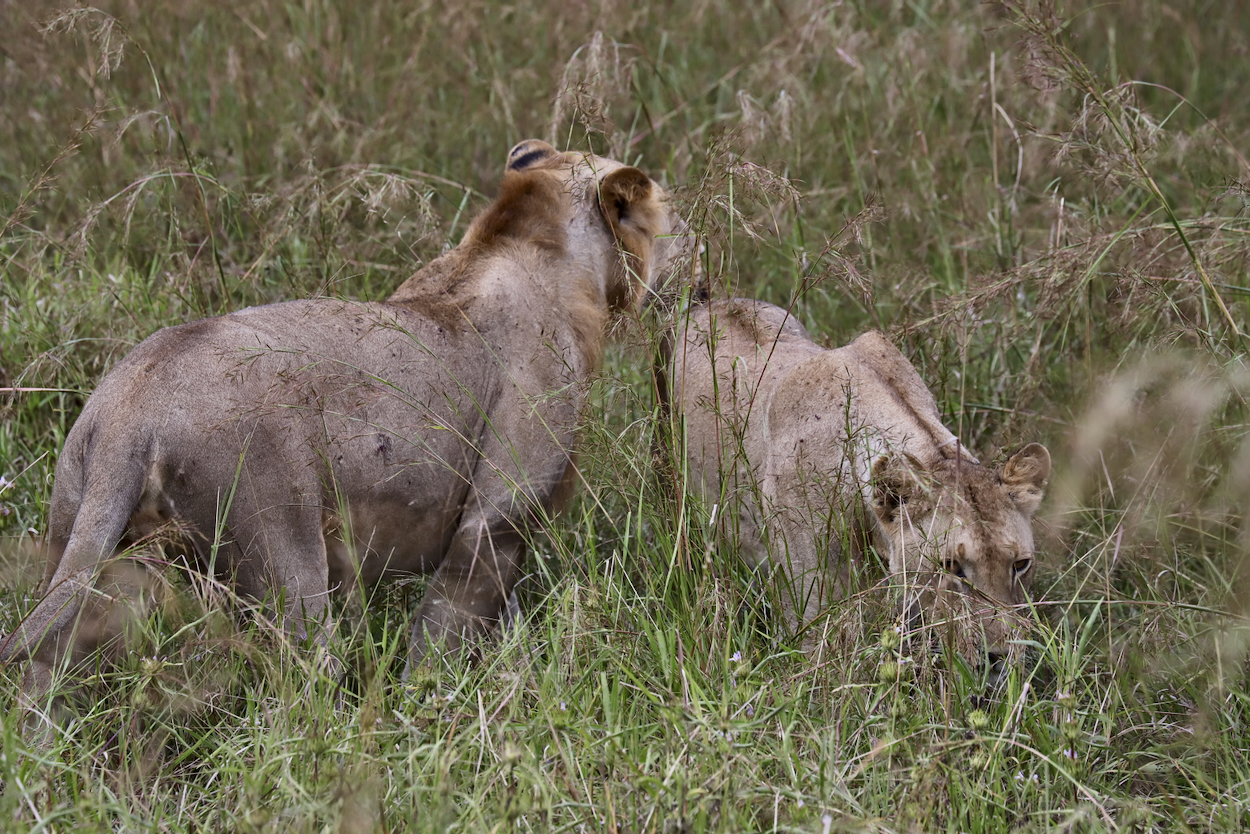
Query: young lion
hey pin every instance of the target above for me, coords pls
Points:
(306, 445)
(814, 453)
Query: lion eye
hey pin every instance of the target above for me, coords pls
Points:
(1021, 566)
(954, 566)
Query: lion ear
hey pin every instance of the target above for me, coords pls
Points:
(527, 153)
(1024, 475)
(631, 206)
(894, 483)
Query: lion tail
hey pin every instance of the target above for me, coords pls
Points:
(111, 479)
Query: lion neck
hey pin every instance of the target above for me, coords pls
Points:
(564, 290)
(538, 248)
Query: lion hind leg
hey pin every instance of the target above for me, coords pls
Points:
(92, 502)
(109, 497)
(280, 560)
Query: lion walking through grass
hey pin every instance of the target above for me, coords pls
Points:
(308, 445)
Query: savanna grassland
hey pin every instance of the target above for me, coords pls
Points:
(1043, 205)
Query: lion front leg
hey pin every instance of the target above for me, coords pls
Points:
(469, 592)
(522, 475)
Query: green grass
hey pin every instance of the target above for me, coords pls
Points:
(1047, 213)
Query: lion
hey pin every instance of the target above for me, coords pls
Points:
(815, 454)
(306, 446)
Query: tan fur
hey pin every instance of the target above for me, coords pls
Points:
(811, 455)
(331, 442)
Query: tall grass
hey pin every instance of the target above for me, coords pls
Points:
(1044, 206)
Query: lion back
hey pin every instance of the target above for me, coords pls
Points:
(890, 395)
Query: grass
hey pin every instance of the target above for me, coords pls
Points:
(1044, 206)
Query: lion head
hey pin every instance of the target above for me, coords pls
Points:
(959, 541)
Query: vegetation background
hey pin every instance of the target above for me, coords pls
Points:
(1043, 204)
